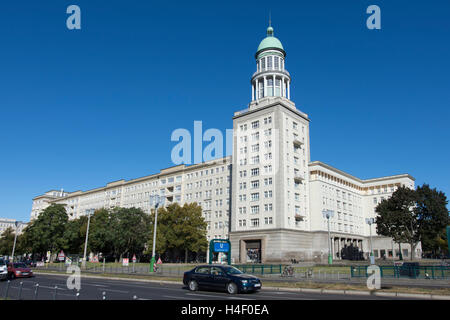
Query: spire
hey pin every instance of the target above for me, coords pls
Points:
(270, 29)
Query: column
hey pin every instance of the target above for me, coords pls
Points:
(289, 90)
(253, 91)
(273, 93)
(282, 87)
(265, 87)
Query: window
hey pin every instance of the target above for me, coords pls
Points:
(254, 209)
(255, 184)
(255, 196)
(276, 63)
(269, 63)
(255, 124)
(263, 63)
(268, 220)
(254, 222)
(255, 172)
(268, 207)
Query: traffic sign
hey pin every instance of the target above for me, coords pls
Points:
(125, 262)
(94, 259)
(61, 256)
(159, 261)
(221, 247)
(134, 258)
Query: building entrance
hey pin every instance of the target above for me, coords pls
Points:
(253, 251)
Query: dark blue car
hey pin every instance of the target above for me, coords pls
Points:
(220, 277)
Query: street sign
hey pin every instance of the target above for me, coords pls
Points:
(125, 262)
(159, 261)
(61, 256)
(134, 258)
(221, 247)
(68, 261)
(94, 259)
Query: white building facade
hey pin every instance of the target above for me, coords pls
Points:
(267, 197)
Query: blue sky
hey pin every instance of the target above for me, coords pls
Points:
(83, 108)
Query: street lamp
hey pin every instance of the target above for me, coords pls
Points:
(16, 223)
(88, 212)
(155, 200)
(370, 221)
(329, 214)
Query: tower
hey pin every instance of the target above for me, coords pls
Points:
(269, 212)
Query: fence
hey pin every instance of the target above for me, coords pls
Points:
(415, 272)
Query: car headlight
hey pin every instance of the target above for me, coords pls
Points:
(244, 281)
(18, 272)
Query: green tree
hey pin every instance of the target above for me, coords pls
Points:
(181, 229)
(131, 230)
(7, 241)
(432, 215)
(74, 235)
(101, 232)
(396, 217)
(47, 231)
(413, 216)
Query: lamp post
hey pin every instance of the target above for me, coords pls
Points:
(370, 221)
(157, 201)
(87, 236)
(16, 223)
(329, 214)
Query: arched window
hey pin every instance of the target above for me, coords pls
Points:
(263, 64)
(270, 87)
(269, 63)
(277, 63)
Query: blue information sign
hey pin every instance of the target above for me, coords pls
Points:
(221, 247)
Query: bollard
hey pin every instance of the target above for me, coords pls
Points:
(54, 293)
(78, 296)
(20, 290)
(7, 289)
(103, 265)
(134, 297)
(36, 291)
(104, 295)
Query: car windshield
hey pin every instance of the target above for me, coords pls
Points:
(232, 270)
(2, 262)
(19, 265)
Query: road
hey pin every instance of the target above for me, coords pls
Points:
(93, 289)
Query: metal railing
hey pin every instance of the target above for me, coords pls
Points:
(414, 272)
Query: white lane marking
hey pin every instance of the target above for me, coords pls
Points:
(113, 290)
(178, 298)
(218, 296)
(143, 299)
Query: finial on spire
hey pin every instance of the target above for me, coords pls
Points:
(270, 29)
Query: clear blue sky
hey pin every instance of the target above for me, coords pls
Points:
(83, 108)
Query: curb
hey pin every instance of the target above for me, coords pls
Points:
(305, 290)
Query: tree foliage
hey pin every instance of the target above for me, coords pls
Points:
(7, 241)
(181, 229)
(412, 215)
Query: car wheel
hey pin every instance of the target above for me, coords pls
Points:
(232, 288)
(193, 285)
(13, 276)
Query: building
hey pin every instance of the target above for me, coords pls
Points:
(267, 197)
(11, 223)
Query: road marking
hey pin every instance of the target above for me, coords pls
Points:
(217, 296)
(178, 297)
(113, 290)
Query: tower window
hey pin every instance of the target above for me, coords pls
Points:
(277, 63)
(263, 64)
(269, 63)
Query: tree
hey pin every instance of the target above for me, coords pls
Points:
(101, 233)
(131, 230)
(180, 230)
(413, 216)
(432, 215)
(7, 241)
(74, 235)
(396, 217)
(47, 231)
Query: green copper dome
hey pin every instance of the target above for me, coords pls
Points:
(270, 42)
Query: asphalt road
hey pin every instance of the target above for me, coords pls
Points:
(93, 289)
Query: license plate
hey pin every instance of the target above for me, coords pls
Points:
(258, 285)
(25, 273)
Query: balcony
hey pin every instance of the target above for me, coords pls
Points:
(298, 178)
(298, 143)
(299, 217)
